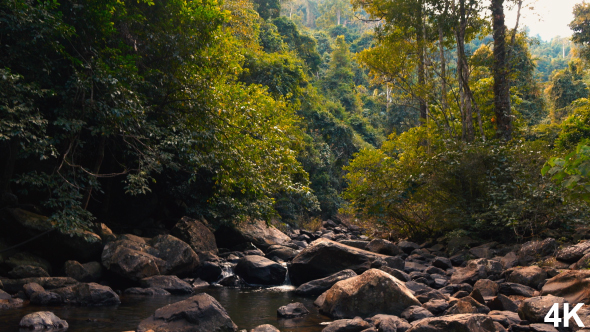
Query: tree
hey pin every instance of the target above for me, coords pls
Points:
(500, 73)
(580, 27)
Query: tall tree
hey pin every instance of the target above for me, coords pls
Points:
(500, 71)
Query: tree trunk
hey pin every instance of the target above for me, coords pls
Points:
(443, 74)
(421, 66)
(500, 71)
(463, 73)
(95, 170)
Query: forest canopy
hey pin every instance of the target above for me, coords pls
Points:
(414, 117)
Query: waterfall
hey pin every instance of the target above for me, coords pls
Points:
(227, 270)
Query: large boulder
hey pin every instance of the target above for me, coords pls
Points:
(347, 325)
(171, 284)
(455, 323)
(530, 276)
(536, 308)
(196, 233)
(72, 244)
(574, 286)
(325, 257)
(134, 258)
(533, 251)
(373, 292)
(384, 247)
(28, 271)
(87, 272)
(259, 270)
(317, 287)
(25, 258)
(199, 313)
(43, 320)
(88, 294)
(573, 253)
(476, 269)
(257, 232)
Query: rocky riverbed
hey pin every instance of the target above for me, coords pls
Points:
(335, 275)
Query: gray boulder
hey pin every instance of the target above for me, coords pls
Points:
(292, 310)
(42, 320)
(196, 234)
(171, 284)
(260, 271)
(455, 323)
(88, 294)
(88, 272)
(317, 287)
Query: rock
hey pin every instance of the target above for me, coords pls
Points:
(292, 310)
(74, 244)
(46, 298)
(414, 313)
(360, 244)
(42, 320)
(502, 303)
(486, 287)
(573, 253)
(31, 288)
(384, 247)
(370, 293)
(283, 253)
(534, 250)
(583, 263)
(317, 287)
(15, 285)
(407, 246)
(442, 263)
(27, 271)
(260, 271)
(505, 318)
(88, 294)
(510, 288)
(530, 276)
(536, 308)
(130, 260)
(209, 271)
(4, 295)
(88, 272)
(574, 286)
(455, 323)
(401, 275)
(171, 284)
(106, 234)
(347, 325)
(265, 328)
(200, 313)
(131, 257)
(196, 234)
(146, 291)
(12, 303)
(257, 232)
(476, 269)
(198, 283)
(509, 260)
(180, 258)
(476, 295)
(436, 306)
(483, 251)
(389, 323)
(466, 305)
(325, 257)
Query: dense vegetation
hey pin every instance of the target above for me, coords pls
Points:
(417, 117)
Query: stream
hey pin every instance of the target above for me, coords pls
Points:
(247, 307)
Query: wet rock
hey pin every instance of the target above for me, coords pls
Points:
(536, 308)
(292, 310)
(11, 304)
(88, 294)
(260, 271)
(325, 257)
(265, 328)
(25, 258)
(198, 283)
(486, 287)
(209, 271)
(15, 285)
(233, 281)
(530, 276)
(384, 247)
(88, 272)
(458, 323)
(414, 313)
(370, 293)
(257, 232)
(574, 286)
(283, 253)
(146, 291)
(28, 271)
(46, 298)
(510, 288)
(42, 320)
(200, 313)
(347, 325)
(130, 260)
(171, 284)
(317, 287)
(196, 234)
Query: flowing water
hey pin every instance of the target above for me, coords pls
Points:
(248, 308)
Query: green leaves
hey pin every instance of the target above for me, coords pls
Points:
(572, 171)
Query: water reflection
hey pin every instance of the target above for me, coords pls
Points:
(248, 308)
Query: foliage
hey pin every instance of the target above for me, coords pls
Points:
(572, 171)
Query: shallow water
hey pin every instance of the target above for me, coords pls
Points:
(248, 308)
